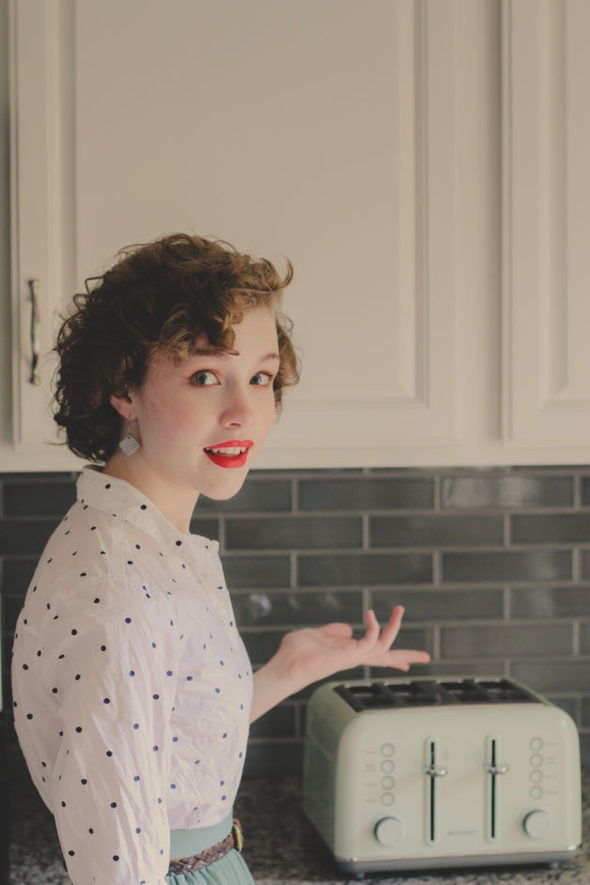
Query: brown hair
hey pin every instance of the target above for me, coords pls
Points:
(157, 296)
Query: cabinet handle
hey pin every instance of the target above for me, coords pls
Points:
(35, 377)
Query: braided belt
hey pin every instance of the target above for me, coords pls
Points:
(182, 865)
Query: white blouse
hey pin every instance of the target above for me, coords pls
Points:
(132, 687)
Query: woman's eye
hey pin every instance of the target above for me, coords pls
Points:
(262, 379)
(205, 378)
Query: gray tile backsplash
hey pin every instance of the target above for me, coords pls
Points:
(492, 566)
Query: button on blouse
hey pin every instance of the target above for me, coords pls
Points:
(132, 687)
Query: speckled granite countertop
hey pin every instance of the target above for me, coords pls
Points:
(281, 848)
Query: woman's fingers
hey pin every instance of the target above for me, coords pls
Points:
(372, 632)
(392, 628)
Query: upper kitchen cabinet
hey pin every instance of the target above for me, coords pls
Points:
(363, 141)
(328, 131)
(546, 211)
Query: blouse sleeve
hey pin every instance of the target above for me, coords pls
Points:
(115, 677)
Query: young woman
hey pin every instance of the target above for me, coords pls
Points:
(133, 692)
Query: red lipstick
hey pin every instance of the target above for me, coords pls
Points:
(231, 453)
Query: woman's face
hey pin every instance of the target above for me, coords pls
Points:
(202, 420)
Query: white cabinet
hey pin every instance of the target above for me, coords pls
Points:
(546, 212)
(360, 139)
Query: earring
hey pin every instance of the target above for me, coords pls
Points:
(129, 444)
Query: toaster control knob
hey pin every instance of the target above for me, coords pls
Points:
(389, 830)
(537, 824)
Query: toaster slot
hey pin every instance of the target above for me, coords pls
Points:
(494, 771)
(433, 771)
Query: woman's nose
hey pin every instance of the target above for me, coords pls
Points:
(238, 410)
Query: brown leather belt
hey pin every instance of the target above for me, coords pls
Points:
(180, 866)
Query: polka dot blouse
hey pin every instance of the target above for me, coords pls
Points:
(132, 686)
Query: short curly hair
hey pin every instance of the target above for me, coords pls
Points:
(158, 296)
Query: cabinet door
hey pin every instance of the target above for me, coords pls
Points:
(325, 130)
(42, 222)
(547, 224)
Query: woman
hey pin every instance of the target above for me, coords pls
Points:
(133, 691)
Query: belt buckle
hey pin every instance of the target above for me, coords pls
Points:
(238, 835)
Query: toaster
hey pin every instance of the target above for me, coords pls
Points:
(429, 773)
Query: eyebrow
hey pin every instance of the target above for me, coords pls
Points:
(218, 352)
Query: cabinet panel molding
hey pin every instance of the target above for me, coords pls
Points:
(357, 183)
(42, 218)
(546, 216)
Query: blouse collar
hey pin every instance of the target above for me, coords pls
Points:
(123, 500)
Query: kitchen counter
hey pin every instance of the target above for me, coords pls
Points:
(281, 847)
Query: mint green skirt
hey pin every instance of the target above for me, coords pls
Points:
(230, 870)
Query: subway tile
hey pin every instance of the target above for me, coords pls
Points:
(47, 496)
(546, 675)
(26, 537)
(441, 604)
(438, 530)
(364, 569)
(207, 527)
(420, 639)
(276, 723)
(550, 602)
(256, 495)
(568, 704)
(515, 565)
(464, 668)
(273, 759)
(17, 575)
(293, 532)
(506, 640)
(585, 750)
(331, 574)
(257, 571)
(11, 607)
(505, 492)
(556, 528)
(355, 673)
(370, 493)
(296, 608)
(261, 645)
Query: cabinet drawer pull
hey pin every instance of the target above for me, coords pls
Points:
(35, 377)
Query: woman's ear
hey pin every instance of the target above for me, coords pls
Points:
(123, 404)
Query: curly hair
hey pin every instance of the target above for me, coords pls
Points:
(159, 296)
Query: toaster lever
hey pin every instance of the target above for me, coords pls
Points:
(436, 771)
(498, 769)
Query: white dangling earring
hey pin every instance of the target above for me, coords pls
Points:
(130, 444)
